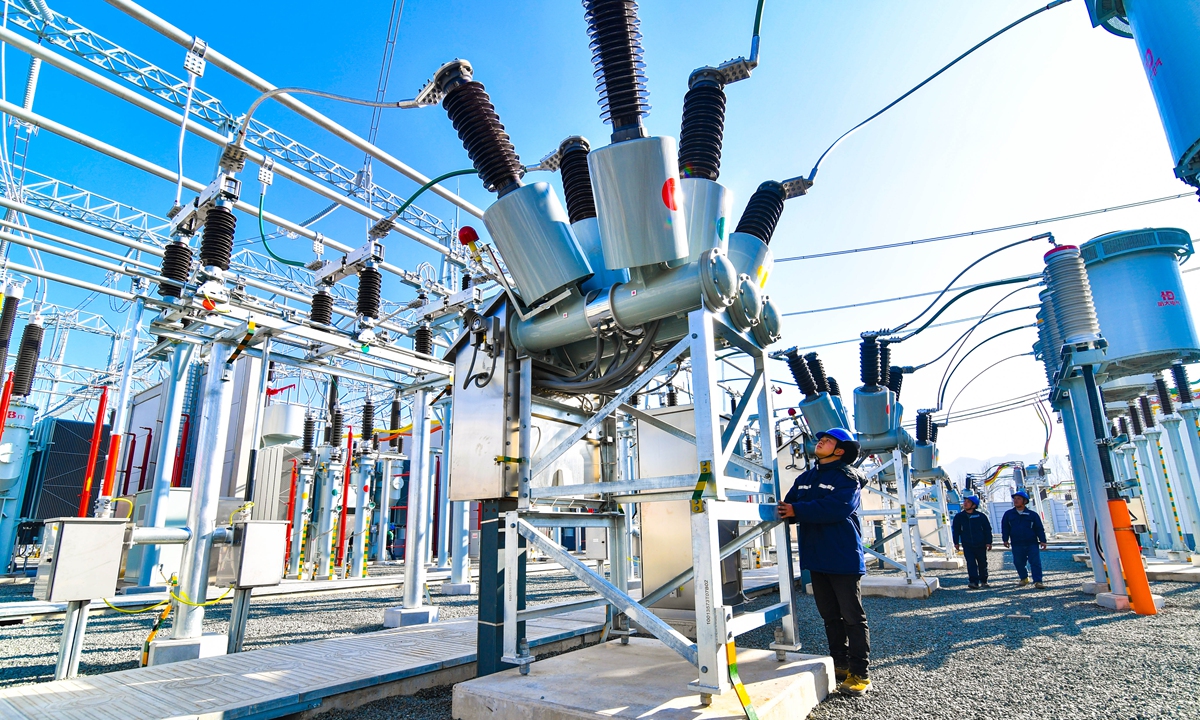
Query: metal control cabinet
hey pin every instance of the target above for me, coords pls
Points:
(81, 558)
(255, 558)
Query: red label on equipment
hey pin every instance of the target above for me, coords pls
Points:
(670, 194)
(1167, 298)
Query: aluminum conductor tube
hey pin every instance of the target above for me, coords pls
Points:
(1071, 295)
(534, 237)
(639, 202)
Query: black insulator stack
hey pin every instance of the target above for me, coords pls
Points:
(368, 420)
(216, 242)
(933, 431)
(1112, 430)
(885, 364)
(1135, 419)
(868, 361)
(834, 389)
(1178, 373)
(466, 281)
(337, 428)
(395, 424)
(801, 374)
(672, 396)
(1123, 425)
(176, 265)
(8, 316)
(762, 212)
(1164, 396)
(895, 379)
(423, 340)
(321, 311)
(817, 368)
(370, 287)
(27, 359)
(703, 129)
(478, 126)
(1147, 411)
(923, 426)
(310, 433)
(576, 179)
(749, 445)
(620, 71)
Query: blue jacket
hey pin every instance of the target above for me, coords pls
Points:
(972, 529)
(826, 500)
(1022, 528)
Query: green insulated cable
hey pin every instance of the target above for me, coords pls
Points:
(426, 186)
(263, 234)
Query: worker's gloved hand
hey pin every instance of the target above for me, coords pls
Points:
(786, 511)
(1006, 545)
(1043, 546)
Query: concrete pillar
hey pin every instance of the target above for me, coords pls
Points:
(416, 543)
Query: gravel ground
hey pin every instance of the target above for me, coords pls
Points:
(29, 651)
(955, 655)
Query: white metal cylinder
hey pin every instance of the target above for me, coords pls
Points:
(750, 256)
(534, 236)
(639, 204)
(587, 232)
(707, 206)
(1071, 295)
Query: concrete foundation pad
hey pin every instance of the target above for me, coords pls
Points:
(1113, 601)
(644, 679)
(169, 650)
(403, 617)
(1172, 572)
(467, 588)
(142, 589)
(1094, 588)
(1083, 558)
(941, 563)
(895, 587)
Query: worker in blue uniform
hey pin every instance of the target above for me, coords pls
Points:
(823, 503)
(972, 533)
(1021, 530)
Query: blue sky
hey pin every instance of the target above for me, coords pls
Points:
(1053, 118)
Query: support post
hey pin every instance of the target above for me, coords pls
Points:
(383, 514)
(168, 442)
(71, 644)
(304, 493)
(1184, 481)
(206, 492)
(239, 613)
(1083, 488)
(104, 502)
(492, 573)
(444, 523)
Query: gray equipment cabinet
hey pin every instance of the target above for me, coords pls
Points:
(81, 559)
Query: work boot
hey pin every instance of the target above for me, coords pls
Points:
(1024, 582)
(985, 585)
(973, 586)
(1040, 585)
(840, 674)
(855, 685)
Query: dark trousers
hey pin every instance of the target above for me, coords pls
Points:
(839, 601)
(976, 557)
(1031, 554)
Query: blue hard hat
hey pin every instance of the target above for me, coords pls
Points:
(1022, 493)
(837, 433)
(973, 498)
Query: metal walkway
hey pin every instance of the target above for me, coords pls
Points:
(273, 682)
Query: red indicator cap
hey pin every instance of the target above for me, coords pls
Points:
(467, 235)
(670, 193)
(792, 412)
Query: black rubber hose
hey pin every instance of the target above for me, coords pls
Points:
(1164, 396)
(762, 212)
(612, 376)
(176, 265)
(216, 242)
(576, 179)
(27, 359)
(478, 126)
(8, 316)
(868, 361)
(817, 368)
(370, 291)
(620, 70)
(1178, 373)
(801, 374)
(1135, 419)
(1147, 411)
(321, 310)
(703, 128)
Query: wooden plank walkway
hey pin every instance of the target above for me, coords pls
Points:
(272, 682)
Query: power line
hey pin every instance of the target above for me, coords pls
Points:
(985, 231)
(1016, 278)
(942, 324)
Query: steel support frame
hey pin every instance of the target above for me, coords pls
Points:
(1160, 474)
(1184, 481)
(715, 453)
